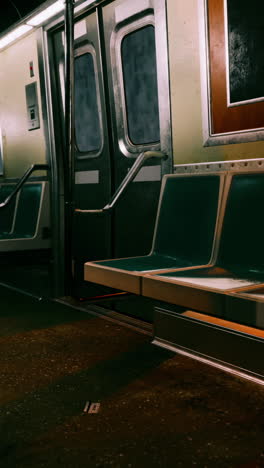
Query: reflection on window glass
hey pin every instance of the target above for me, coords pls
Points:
(140, 82)
(245, 36)
(87, 123)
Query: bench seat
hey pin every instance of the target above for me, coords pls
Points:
(247, 305)
(125, 273)
(22, 221)
(7, 212)
(184, 233)
(199, 289)
(240, 260)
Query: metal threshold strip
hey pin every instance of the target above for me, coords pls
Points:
(108, 314)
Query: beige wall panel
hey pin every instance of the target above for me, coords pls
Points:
(21, 147)
(184, 53)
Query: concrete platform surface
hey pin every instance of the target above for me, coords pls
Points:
(157, 409)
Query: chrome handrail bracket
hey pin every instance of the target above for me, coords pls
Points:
(140, 161)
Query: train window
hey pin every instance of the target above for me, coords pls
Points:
(88, 134)
(236, 65)
(138, 55)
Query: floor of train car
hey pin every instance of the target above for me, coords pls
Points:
(157, 409)
(119, 305)
(29, 271)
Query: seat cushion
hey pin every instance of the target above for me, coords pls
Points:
(184, 234)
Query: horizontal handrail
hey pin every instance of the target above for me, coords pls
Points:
(141, 159)
(34, 167)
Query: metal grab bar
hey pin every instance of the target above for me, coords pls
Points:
(34, 167)
(126, 181)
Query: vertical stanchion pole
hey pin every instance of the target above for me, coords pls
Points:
(69, 138)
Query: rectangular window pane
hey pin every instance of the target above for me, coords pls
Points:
(87, 122)
(245, 44)
(140, 83)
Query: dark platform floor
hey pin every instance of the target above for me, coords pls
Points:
(157, 409)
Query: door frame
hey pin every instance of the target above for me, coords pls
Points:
(52, 126)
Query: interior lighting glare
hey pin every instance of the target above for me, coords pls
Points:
(47, 13)
(19, 31)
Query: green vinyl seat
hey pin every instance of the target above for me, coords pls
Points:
(240, 260)
(6, 213)
(183, 237)
(27, 212)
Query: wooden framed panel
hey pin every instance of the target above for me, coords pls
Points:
(236, 65)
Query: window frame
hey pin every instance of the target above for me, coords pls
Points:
(89, 49)
(126, 146)
(210, 137)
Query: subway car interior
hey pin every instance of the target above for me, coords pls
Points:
(132, 173)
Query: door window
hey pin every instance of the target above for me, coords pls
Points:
(138, 56)
(88, 132)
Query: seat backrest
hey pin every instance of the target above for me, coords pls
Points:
(241, 245)
(28, 210)
(187, 215)
(7, 213)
